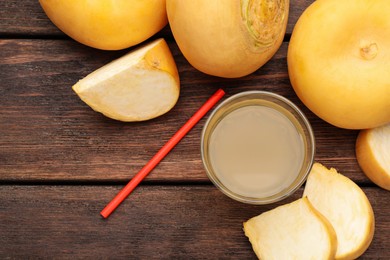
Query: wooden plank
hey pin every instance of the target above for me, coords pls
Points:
(165, 222)
(49, 134)
(27, 18)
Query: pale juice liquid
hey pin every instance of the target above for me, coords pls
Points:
(256, 151)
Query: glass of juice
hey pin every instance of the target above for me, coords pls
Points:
(257, 147)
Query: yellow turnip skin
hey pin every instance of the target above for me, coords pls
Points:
(107, 24)
(228, 38)
(339, 61)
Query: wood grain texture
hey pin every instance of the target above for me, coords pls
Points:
(27, 18)
(156, 222)
(49, 134)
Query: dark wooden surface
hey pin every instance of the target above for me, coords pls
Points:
(60, 162)
(159, 221)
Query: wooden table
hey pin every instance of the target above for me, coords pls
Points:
(60, 162)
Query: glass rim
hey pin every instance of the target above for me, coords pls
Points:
(308, 135)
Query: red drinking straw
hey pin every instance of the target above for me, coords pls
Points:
(161, 154)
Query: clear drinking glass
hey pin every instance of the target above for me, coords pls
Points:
(270, 100)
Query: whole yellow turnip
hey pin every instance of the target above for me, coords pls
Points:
(107, 24)
(228, 38)
(339, 61)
